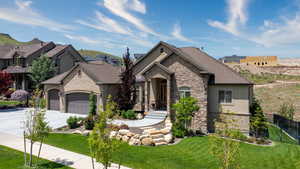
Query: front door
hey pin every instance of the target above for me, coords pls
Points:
(162, 95)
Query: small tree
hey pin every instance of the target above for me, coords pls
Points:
(258, 121)
(5, 81)
(287, 110)
(41, 70)
(127, 90)
(101, 145)
(226, 150)
(92, 104)
(36, 128)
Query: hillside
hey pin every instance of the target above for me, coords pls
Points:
(93, 53)
(6, 39)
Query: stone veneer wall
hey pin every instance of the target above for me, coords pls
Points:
(187, 75)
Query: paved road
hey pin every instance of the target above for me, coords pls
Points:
(11, 120)
(51, 153)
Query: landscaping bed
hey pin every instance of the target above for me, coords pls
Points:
(13, 159)
(189, 153)
(9, 104)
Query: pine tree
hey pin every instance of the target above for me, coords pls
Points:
(258, 121)
(127, 90)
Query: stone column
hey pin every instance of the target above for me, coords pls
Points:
(168, 95)
(23, 82)
(146, 95)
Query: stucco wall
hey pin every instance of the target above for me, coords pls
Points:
(237, 110)
(80, 81)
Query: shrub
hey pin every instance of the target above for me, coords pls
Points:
(8, 93)
(179, 130)
(8, 104)
(73, 122)
(129, 114)
(236, 134)
(89, 123)
(19, 95)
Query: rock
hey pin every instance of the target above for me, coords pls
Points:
(130, 134)
(157, 136)
(134, 142)
(86, 133)
(136, 136)
(165, 131)
(113, 134)
(147, 141)
(76, 132)
(125, 138)
(123, 131)
(119, 137)
(161, 143)
(154, 132)
(144, 136)
(157, 140)
(139, 116)
(168, 138)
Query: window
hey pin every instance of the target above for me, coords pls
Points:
(225, 96)
(137, 91)
(161, 50)
(184, 92)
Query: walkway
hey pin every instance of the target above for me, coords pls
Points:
(152, 118)
(51, 153)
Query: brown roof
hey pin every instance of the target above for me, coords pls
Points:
(206, 64)
(100, 73)
(57, 50)
(16, 69)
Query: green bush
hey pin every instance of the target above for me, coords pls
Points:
(7, 104)
(73, 122)
(129, 114)
(236, 134)
(178, 130)
(89, 123)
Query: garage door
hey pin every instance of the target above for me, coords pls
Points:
(53, 99)
(78, 103)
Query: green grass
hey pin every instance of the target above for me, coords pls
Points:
(272, 98)
(190, 153)
(12, 159)
(265, 78)
(7, 40)
(94, 53)
(275, 134)
(9, 103)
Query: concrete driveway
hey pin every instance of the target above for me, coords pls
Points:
(11, 120)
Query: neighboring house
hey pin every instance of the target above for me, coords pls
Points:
(17, 59)
(163, 75)
(260, 61)
(69, 91)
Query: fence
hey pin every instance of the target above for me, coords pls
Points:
(290, 126)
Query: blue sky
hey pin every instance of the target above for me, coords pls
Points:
(222, 27)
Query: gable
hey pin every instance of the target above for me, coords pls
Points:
(154, 55)
(78, 80)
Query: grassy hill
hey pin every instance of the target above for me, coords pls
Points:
(6, 39)
(94, 53)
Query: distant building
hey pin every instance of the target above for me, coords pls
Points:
(260, 61)
(251, 60)
(232, 59)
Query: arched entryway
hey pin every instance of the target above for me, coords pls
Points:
(53, 99)
(160, 93)
(77, 103)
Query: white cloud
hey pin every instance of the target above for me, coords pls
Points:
(178, 35)
(82, 38)
(274, 34)
(24, 14)
(236, 17)
(106, 24)
(122, 9)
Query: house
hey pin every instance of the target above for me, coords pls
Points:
(164, 75)
(17, 59)
(260, 61)
(69, 91)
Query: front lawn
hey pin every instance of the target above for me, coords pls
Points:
(13, 159)
(190, 153)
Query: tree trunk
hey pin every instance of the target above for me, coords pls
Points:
(25, 154)
(31, 156)
(93, 165)
(41, 144)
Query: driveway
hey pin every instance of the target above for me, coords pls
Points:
(11, 120)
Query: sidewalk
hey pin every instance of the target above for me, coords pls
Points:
(52, 153)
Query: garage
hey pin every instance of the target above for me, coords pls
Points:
(53, 97)
(77, 103)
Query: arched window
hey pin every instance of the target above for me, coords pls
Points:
(184, 91)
